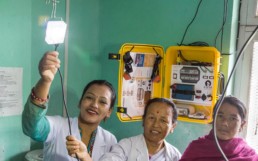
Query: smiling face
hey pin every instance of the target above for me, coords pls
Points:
(95, 104)
(228, 122)
(158, 122)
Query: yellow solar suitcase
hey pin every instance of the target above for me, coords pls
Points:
(187, 75)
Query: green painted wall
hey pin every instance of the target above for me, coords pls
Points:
(15, 42)
(84, 50)
(163, 23)
(97, 28)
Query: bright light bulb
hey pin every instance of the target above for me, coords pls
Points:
(55, 32)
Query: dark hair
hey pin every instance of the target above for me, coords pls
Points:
(101, 82)
(163, 100)
(234, 102)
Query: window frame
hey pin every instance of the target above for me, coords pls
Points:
(248, 22)
(248, 12)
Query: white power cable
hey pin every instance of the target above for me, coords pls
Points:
(225, 89)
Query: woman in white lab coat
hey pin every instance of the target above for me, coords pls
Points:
(159, 120)
(95, 105)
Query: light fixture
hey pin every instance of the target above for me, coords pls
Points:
(55, 32)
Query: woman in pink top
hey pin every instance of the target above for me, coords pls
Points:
(230, 121)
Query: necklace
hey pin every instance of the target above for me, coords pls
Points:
(91, 141)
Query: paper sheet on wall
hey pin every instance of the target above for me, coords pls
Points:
(10, 91)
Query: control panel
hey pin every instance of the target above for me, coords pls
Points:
(192, 84)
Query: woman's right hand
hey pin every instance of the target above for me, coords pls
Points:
(77, 149)
(48, 66)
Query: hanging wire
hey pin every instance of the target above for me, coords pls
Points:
(224, 19)
(190, 22)
(225, 12)
(53, 15)
(64, 102)
(224, 91)
(54, 2)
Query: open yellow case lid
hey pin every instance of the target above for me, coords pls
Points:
(136, 87)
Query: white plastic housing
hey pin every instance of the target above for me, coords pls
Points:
(55, 32)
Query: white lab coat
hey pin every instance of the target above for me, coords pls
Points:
(135, 149)
(55, 145)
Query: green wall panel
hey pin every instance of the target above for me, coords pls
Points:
(15, 50)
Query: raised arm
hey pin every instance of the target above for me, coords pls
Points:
(48, 67)
(34, 122)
